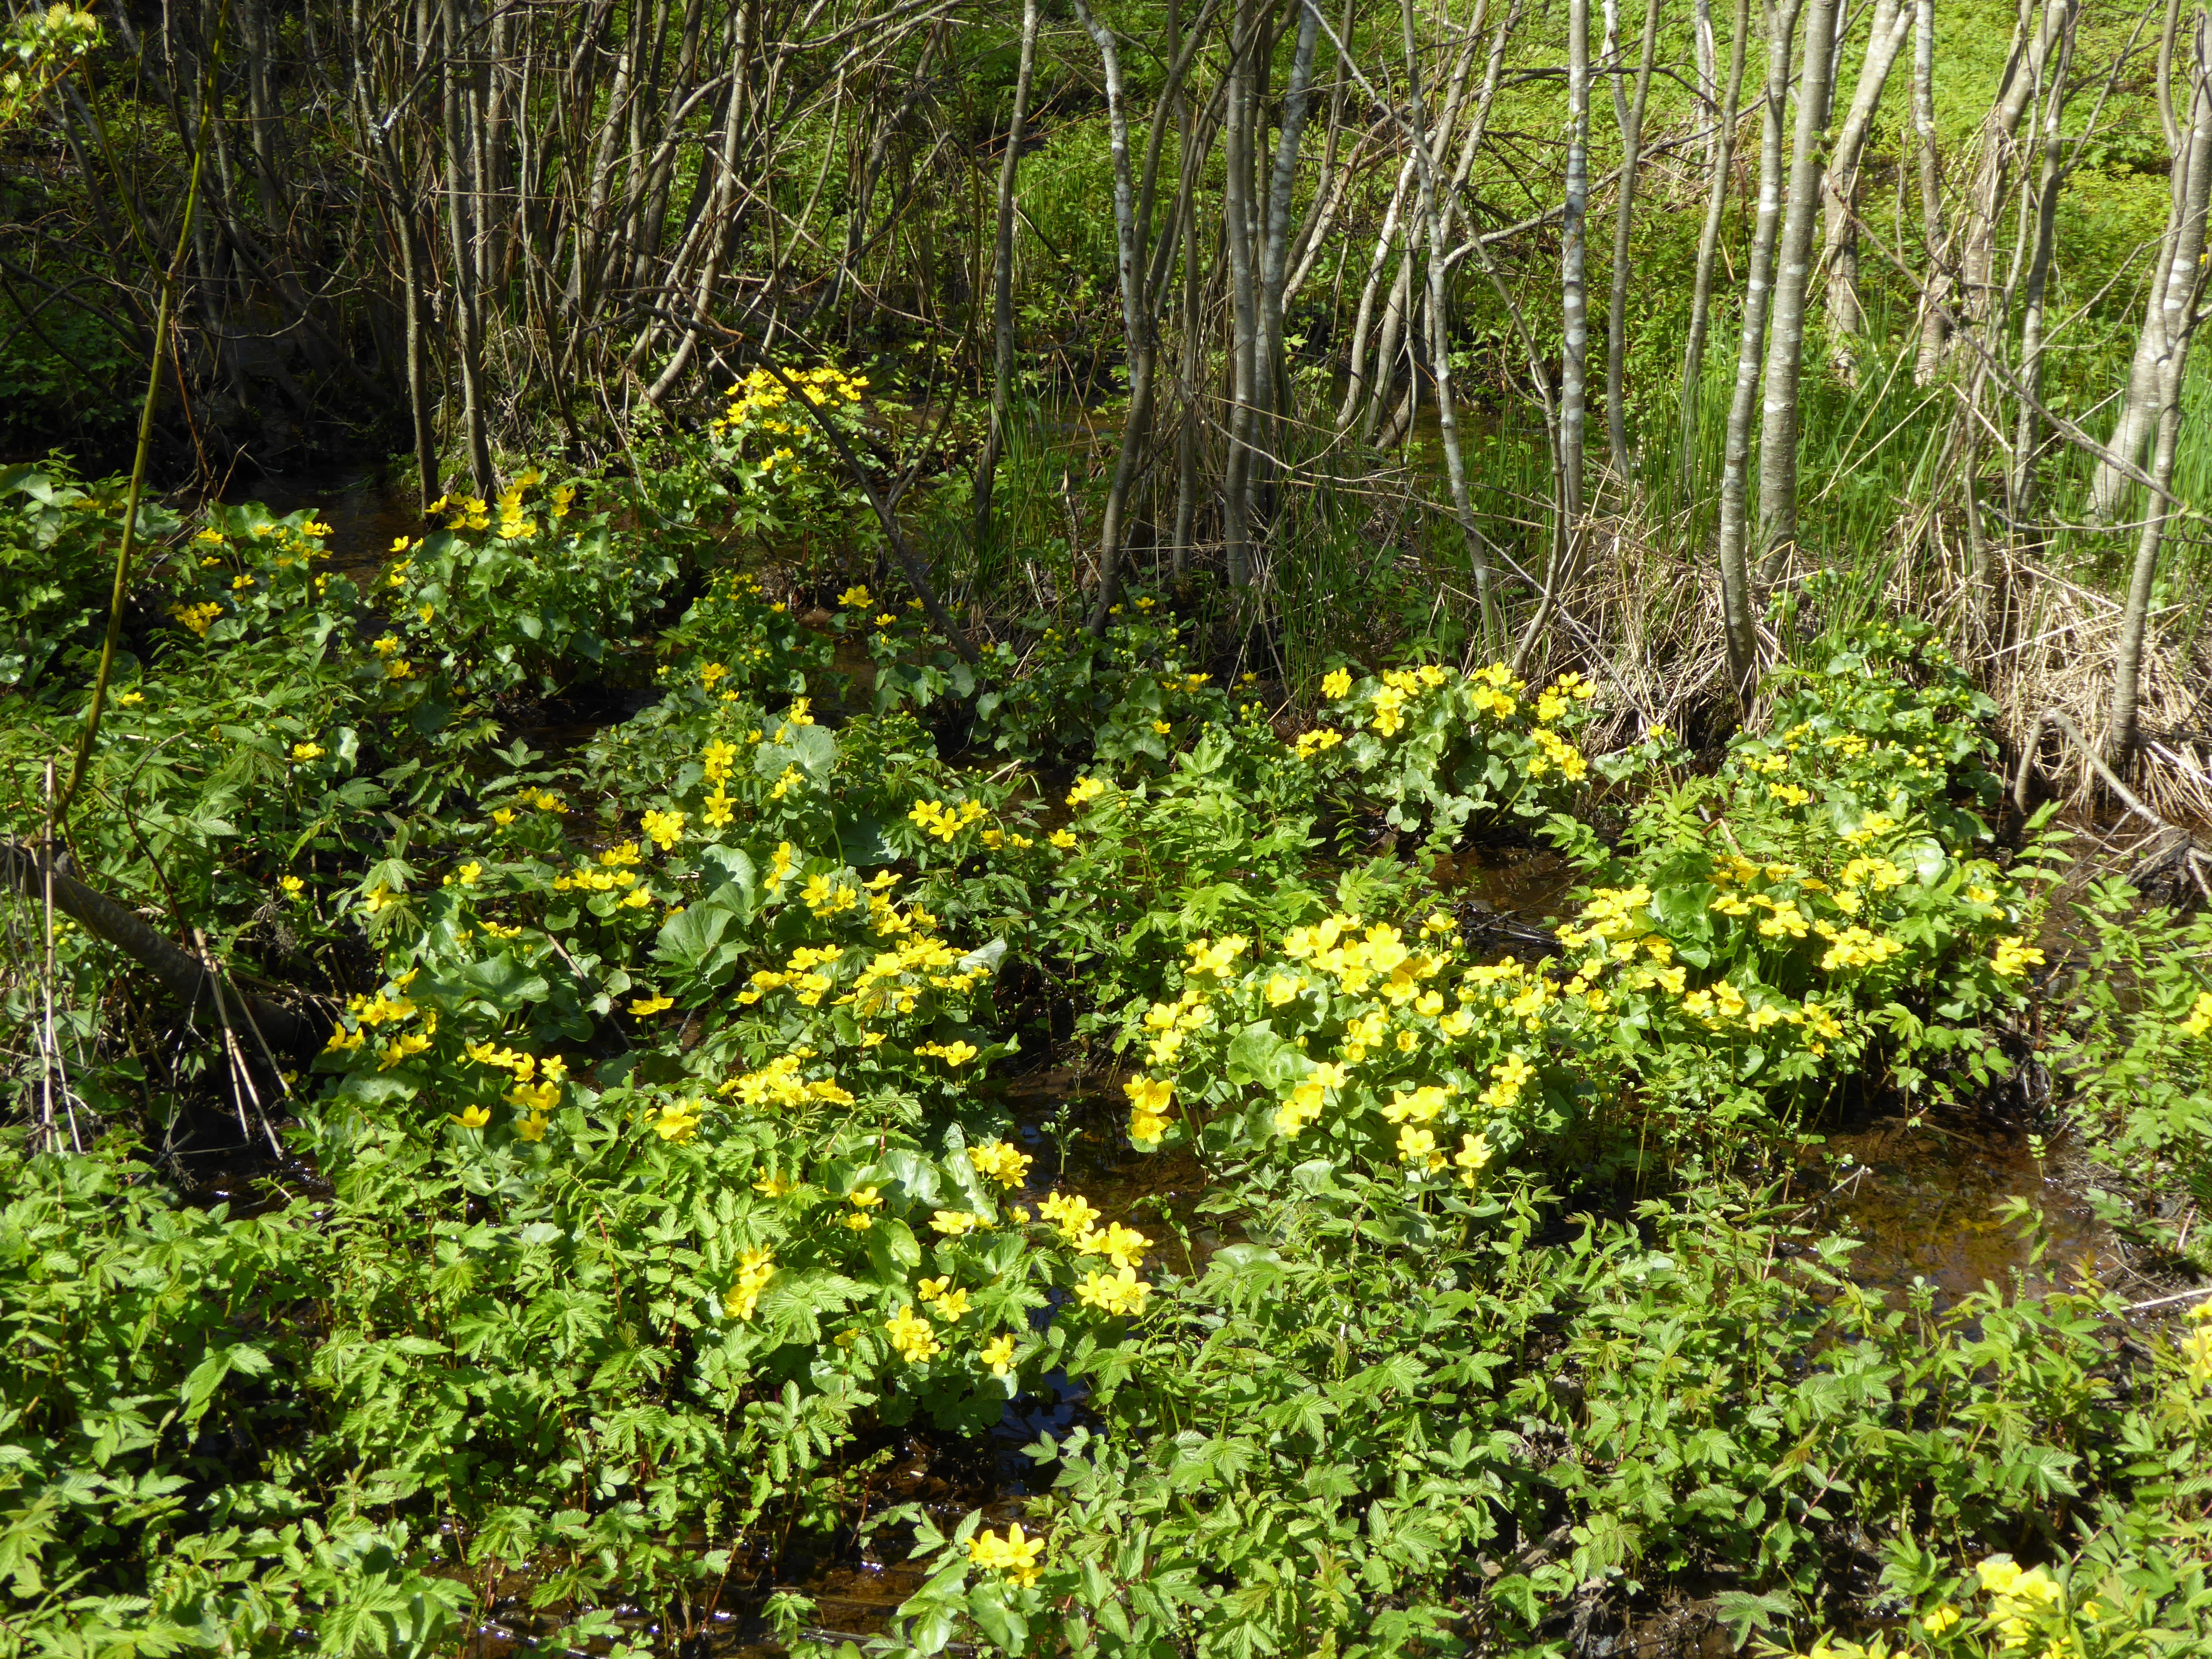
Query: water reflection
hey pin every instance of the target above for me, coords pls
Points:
(1924, 1201)
(366, 508)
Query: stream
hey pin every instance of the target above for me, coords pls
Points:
(1920, 1194)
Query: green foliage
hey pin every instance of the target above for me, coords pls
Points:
(2139, 1055)
(1450, 751)
(1129, 694)
(57, 543)
(667, 1167)
(512, 594)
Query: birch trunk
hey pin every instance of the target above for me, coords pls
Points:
(1243, 300)
(1785, 346)
(1708, 240)
(1893, 23)
(462, 230)
(1439, 338)
(1574, 298)
(1935, 295)
(1616, 312)
(2029, 436)
(1986, 196)
(2132, 426)
(1275, 245)
(1739, 623)
(2174, 325)
(1002, 280)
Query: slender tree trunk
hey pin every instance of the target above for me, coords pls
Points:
(1935, 295)
(2137, 415)
(1616, 312)
(1574, 298)
(1002, 282)
(1893, 23)
(1187, 487)
(1478, 554)
(1137, 314)
(1986, 196)
(462, 227)
(1243, 298)
(2176, 323)
(1740, 623)
(1709, 241)
(1357, 392)
(413, 279)
(1785, 346)
(2029, 437)
(1275, 245)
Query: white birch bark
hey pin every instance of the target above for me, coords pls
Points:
(1738, 621)
(1785, 346)
(2175, 324)
(1892, 26)
(1721, 160)
(1574, 298)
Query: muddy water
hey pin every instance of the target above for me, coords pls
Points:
(366, 509)
(1924, 1201)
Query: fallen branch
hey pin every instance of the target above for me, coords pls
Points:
(2058, 721)
(184, 976)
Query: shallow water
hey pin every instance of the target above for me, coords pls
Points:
(365, 508)
(1924, 1201)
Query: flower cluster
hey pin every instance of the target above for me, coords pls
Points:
(946, 820)
(1015, 1555)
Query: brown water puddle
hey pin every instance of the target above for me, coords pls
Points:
(1925, 1202)
(366, 510)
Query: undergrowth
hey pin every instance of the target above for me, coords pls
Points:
(651, 1167)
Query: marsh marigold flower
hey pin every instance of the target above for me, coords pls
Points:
(1015, 1555)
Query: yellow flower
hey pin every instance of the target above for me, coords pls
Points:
(304, 752)
(1001, 1162)
(1149, 1094)
(293, 886)
(1124, 1247)
(913, 1337)
(677, 1121)
(2014, 956)
(1475, 1153)
(951, 1306)
(127, 699)
(1303, 1107)
(1335, 683)
(1014, 1555)
(2199, 1021)
(998, 1354)
(953, 1223)
(530, 1125)
(474, 1118)
(1063, 839)
(645, 1005)
(1121, 1292)
(1419, 1147)
(1070, 1212)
